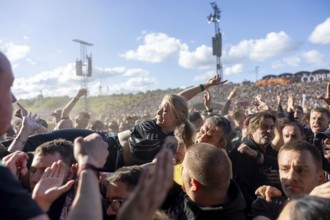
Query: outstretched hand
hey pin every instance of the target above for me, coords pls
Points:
(50, 185)
(326, 98)
(215, 80)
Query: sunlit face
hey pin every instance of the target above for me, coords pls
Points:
(291, 133)
(7, 98)
(319, 122)
(166, 118)
(298, 172)
(39, 165)
(211, 134)
(118, 191)
(326, 148)
(265, 133)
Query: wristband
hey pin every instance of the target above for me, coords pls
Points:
(202, 87)
(88, 166)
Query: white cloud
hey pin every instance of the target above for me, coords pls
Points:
(293, 61)
(156, 48)
(200, 58)
(32, 62)
(235, 69)
(260, 49)
(321, 34)
(26, 37)
(314, 57)
(14, 52)
(62, 81)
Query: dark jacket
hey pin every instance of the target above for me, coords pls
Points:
(249, 174)
(182, 208)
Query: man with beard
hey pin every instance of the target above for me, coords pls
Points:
(255, 161)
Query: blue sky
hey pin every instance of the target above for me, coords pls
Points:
(144, 45)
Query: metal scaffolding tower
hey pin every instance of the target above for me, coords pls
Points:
(217, 39)
(84, 65)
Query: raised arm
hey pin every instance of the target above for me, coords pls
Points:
(193, 91)
(326, 98)
(91, 153)
(30, 125)
(67, 109)
(65, 122)
(232, 94)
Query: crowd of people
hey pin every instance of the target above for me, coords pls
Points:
(264, 153)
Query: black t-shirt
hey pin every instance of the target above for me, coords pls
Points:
(146, 140)
(15, 201)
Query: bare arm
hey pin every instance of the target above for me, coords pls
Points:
(30, 125)
(90, 150)
(67, 109)
(232, 94)
(193, 91)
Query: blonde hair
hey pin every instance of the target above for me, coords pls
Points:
(180, 108)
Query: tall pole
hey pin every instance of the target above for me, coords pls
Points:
(85, 61)
(217, 39)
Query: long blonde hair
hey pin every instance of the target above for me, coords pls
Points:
(180, 108)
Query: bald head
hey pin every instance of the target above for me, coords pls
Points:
(7, 98)
(208, 165)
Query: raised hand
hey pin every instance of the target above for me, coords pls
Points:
(207, 99)
(91, 149)
(16, 162)
(290, 103)
(259, 104)
(21, 111)
(50, 185)
(232, 93)
(326, 98)
(215, 80)
(81, 92)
